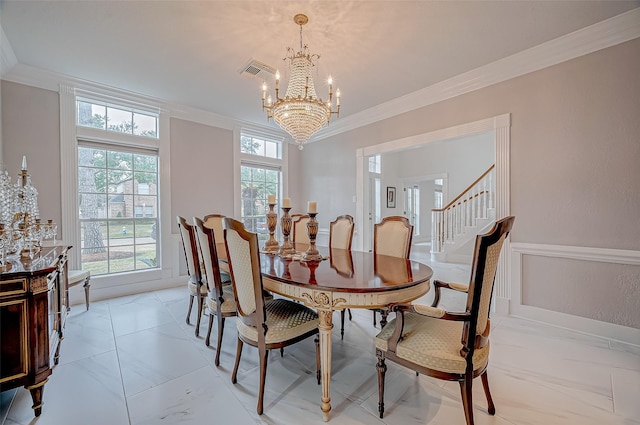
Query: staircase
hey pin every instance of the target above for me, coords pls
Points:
(454, 227)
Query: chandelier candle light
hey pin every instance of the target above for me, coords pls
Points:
(300, 113)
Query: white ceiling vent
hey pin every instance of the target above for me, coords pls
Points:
(257, 69)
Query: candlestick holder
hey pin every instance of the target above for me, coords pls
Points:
(272, 246)
(285, 222)
(312, 253)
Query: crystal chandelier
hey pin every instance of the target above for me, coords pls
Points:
(300, 113)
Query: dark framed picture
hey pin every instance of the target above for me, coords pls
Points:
(391, 197)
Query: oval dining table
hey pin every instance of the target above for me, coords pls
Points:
(343, 279)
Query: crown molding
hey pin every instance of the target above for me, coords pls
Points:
(8, 57)
(601, 35)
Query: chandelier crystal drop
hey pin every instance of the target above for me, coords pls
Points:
(300, 113)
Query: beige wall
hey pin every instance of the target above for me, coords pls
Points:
(31, 127)
(575, 173)
(575, 179)
(201, 170)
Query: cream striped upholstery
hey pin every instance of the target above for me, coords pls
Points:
(186, 238)
(285, 320)
(240, 253)
(193, 289)
(214, 221)
(341, 232)
(432, 343)
(300, 232)
(229, 304)
(491, 264)
(392, 238)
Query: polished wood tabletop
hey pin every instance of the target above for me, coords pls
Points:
(346, 271)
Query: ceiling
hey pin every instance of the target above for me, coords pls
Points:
(190, 52)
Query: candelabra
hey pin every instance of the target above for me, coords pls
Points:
(312, 253)
(272, 245)
(286, 248)
(21, 230)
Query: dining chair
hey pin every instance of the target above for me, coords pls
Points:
(214, 222)
(263, 324)
(340, 237)
(300, 232)
(220, 301)
(194, 283)
(392, 237)
(448, 345)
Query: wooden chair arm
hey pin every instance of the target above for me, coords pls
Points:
(448, 285)
(438, 313)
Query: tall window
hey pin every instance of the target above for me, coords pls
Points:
(260, 176)
(118, 189)
(118, 205)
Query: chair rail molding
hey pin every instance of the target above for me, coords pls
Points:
(564, 320)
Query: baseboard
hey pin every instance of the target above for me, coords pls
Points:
(583, 325)
(76, 294)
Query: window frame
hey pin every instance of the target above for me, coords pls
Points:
(70, 133)
(241, 158)
(133, 220)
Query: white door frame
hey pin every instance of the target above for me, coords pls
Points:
(501, 126)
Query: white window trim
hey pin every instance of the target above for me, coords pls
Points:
(239, 158)
(69, 135)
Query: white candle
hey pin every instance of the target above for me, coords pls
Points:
(312, 207)
(24, 162)
(264, 91)
(286, 203)
(272, 199)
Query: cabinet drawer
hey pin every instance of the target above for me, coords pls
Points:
(13, 287)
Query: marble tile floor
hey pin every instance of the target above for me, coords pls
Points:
(134, 360)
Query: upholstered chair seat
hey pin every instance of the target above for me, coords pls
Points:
(228, 305)
(285, 320)
(433, 343)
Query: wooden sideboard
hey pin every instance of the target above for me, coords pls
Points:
(33, 311)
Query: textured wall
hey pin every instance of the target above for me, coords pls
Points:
(201, 171)
(31, 127)
(575, 150)
(600, 291)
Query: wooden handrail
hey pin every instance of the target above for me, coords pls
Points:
(465, 191)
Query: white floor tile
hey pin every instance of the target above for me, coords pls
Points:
(134, 360)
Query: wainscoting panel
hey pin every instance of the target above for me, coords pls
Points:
(590, 290)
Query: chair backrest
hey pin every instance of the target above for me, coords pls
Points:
(392, 236)
(243, 256)
(483, 273)
(214, 221)
(208, 255)
(187, 234)
(300, 233)
(341, 232)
